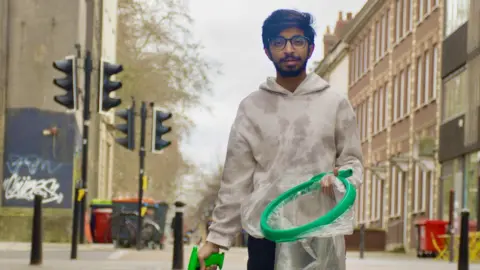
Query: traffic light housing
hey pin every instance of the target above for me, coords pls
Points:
(107, 86)
(68, 66)
(159, 129)
(127, 128)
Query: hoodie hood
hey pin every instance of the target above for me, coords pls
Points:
(312, 83)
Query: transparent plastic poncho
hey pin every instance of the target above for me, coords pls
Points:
(319, 249)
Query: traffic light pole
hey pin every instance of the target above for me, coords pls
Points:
(141, 153)
(86, 124)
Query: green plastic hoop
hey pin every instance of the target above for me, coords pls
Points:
(296, 233)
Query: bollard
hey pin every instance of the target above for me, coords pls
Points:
(362, 240)
(36, 251)
(463, 248)
(177, 263)
(75, 222)
(478, 200)
(451, 230)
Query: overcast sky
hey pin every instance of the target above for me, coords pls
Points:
(230, 31)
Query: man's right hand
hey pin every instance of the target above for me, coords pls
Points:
(204, 252)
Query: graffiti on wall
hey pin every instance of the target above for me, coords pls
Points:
(30, 175)
(38, 163)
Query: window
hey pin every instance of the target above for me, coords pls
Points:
(383, 39)
(422, 183)
(393, 193)
(399, 188)
(373, 191)
(387, 30)
(352, 67)
(419, 89)
(420, 190)
(385, 109)
(376, 193)
(454, 101)
(410, 21)
(416, 189)
(379, 194)
(381, 112)
(421, 6)
(402, 94)
(395, 99)
(408, 89)
(375, 112)
(377, 41)
(365, 54)
(426, 91)
(357, 63)
(456, 14)
(405, 19)
(396, 192)
(433, 94)
(367, 120)
(398, 22)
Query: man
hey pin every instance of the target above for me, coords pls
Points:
(295, 126)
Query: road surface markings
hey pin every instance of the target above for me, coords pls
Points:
(117, 254)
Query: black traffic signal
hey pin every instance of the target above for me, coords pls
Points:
(127, 128)
(68, 83)
(106, 71)
(159, 130)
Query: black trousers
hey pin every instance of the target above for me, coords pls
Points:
(261, 254)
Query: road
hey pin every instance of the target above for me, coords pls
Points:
(106, 258)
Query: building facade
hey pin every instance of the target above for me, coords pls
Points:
(334, 65)
(394, 81)
(34, 158)
(459, 132)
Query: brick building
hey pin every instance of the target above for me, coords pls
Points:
(394, 78)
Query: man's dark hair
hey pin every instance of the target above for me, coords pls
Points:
(282, 19)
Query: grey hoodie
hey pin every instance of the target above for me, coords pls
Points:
(277, 137)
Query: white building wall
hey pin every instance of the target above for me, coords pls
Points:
(338, 78)
(109, 52)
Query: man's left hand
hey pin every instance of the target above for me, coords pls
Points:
(327, 183)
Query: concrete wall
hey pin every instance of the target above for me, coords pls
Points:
(33, 34)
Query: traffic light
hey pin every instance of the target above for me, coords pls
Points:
(159, 130)
(68, 83)
(106, 86)
(127, 128)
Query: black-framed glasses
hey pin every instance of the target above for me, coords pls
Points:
(297, 42)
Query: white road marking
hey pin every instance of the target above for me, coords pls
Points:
(117, 255)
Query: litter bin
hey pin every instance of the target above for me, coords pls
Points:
(160, 216)
(97, 204)
(124, 226)
(102, 230)
(428, 231)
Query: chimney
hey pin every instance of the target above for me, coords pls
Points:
(341, 23)
(329, 40)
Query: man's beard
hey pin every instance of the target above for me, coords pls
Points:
(290, 73)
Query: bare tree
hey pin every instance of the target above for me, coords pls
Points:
(202, 200)
(162, 64)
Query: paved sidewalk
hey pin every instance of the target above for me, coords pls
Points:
(24, 246)
(104, 257)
